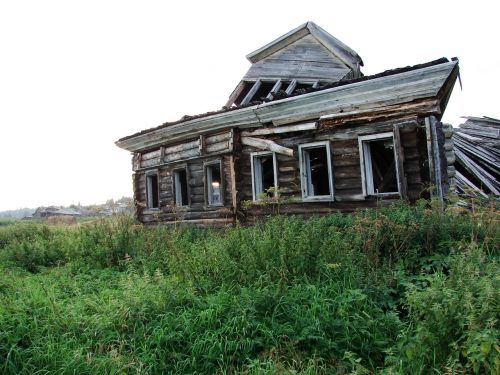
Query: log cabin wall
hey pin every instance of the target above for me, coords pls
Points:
(193, 156)
(346, 168)
(234, 156)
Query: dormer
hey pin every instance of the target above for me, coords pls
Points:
(307, 56)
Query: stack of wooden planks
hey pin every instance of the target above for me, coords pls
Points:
(476, 144)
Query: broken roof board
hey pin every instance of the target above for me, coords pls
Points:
(335, 46)
(373, 93)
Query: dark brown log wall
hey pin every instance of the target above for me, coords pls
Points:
(348, 195)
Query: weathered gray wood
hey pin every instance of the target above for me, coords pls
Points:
(400, 158)
(215, 138)
(217, 147)
(291, 86)
(430, 158)
(236, 92)
(374, 93)
(202, 144)
(187, 146)
(150, 155)
(436, 158)
(252, 92)
(281, 129)
(275, 89)
(265, 144)
(313, 34)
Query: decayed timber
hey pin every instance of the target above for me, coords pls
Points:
(304, 115)
(476, 146)
(265, 144)
(364, 95)
(281, 129)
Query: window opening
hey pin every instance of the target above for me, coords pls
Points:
(181, 187)
(214, 184)
(153, 200)
(316, 171)
(379, 164)
(264, 175)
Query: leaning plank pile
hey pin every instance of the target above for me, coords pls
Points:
(477, 150)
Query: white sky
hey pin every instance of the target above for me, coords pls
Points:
(77, 75)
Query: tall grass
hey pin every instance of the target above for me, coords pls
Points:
(399, 290)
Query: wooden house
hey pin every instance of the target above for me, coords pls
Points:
(304, 132)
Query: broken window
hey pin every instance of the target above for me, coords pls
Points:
(181, 187)
(214, 184)
(316, 171)
(264, 175)
(152, 190)
(378, 164)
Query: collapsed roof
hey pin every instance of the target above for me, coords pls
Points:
(477, 150)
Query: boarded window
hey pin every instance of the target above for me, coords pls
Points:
(152, 191)
(264, 175)
(316, 172)
(214, 184)
(378, 164)
(181, 187)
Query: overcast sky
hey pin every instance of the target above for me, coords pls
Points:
(77, 75)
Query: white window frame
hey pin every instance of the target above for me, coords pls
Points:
(366, 164)
(149, 189)
(208, 184)
(256, 179)
(305, 172)
(176, 187)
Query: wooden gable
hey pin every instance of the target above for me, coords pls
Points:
(306, 56)
(303, 59)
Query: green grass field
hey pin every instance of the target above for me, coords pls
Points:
(401, 290)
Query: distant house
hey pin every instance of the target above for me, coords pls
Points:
(43, 212)
(304, 129)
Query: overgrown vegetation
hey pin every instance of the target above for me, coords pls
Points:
(400, 290)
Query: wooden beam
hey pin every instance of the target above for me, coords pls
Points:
(291, 87)
(237, 91)
(136, 161)
(275, 89)
(252, 92)
(434, 155)
(265, 144)
(201, 146)
(400, 158)
(234, 191)
(162, 155)
(281, 129)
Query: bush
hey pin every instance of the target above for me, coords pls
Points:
(456, 316)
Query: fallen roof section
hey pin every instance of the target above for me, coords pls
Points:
(387, 88)
(477, 150)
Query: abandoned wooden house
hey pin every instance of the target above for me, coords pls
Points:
(304, 132)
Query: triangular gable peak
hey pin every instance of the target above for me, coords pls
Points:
(304, 57)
